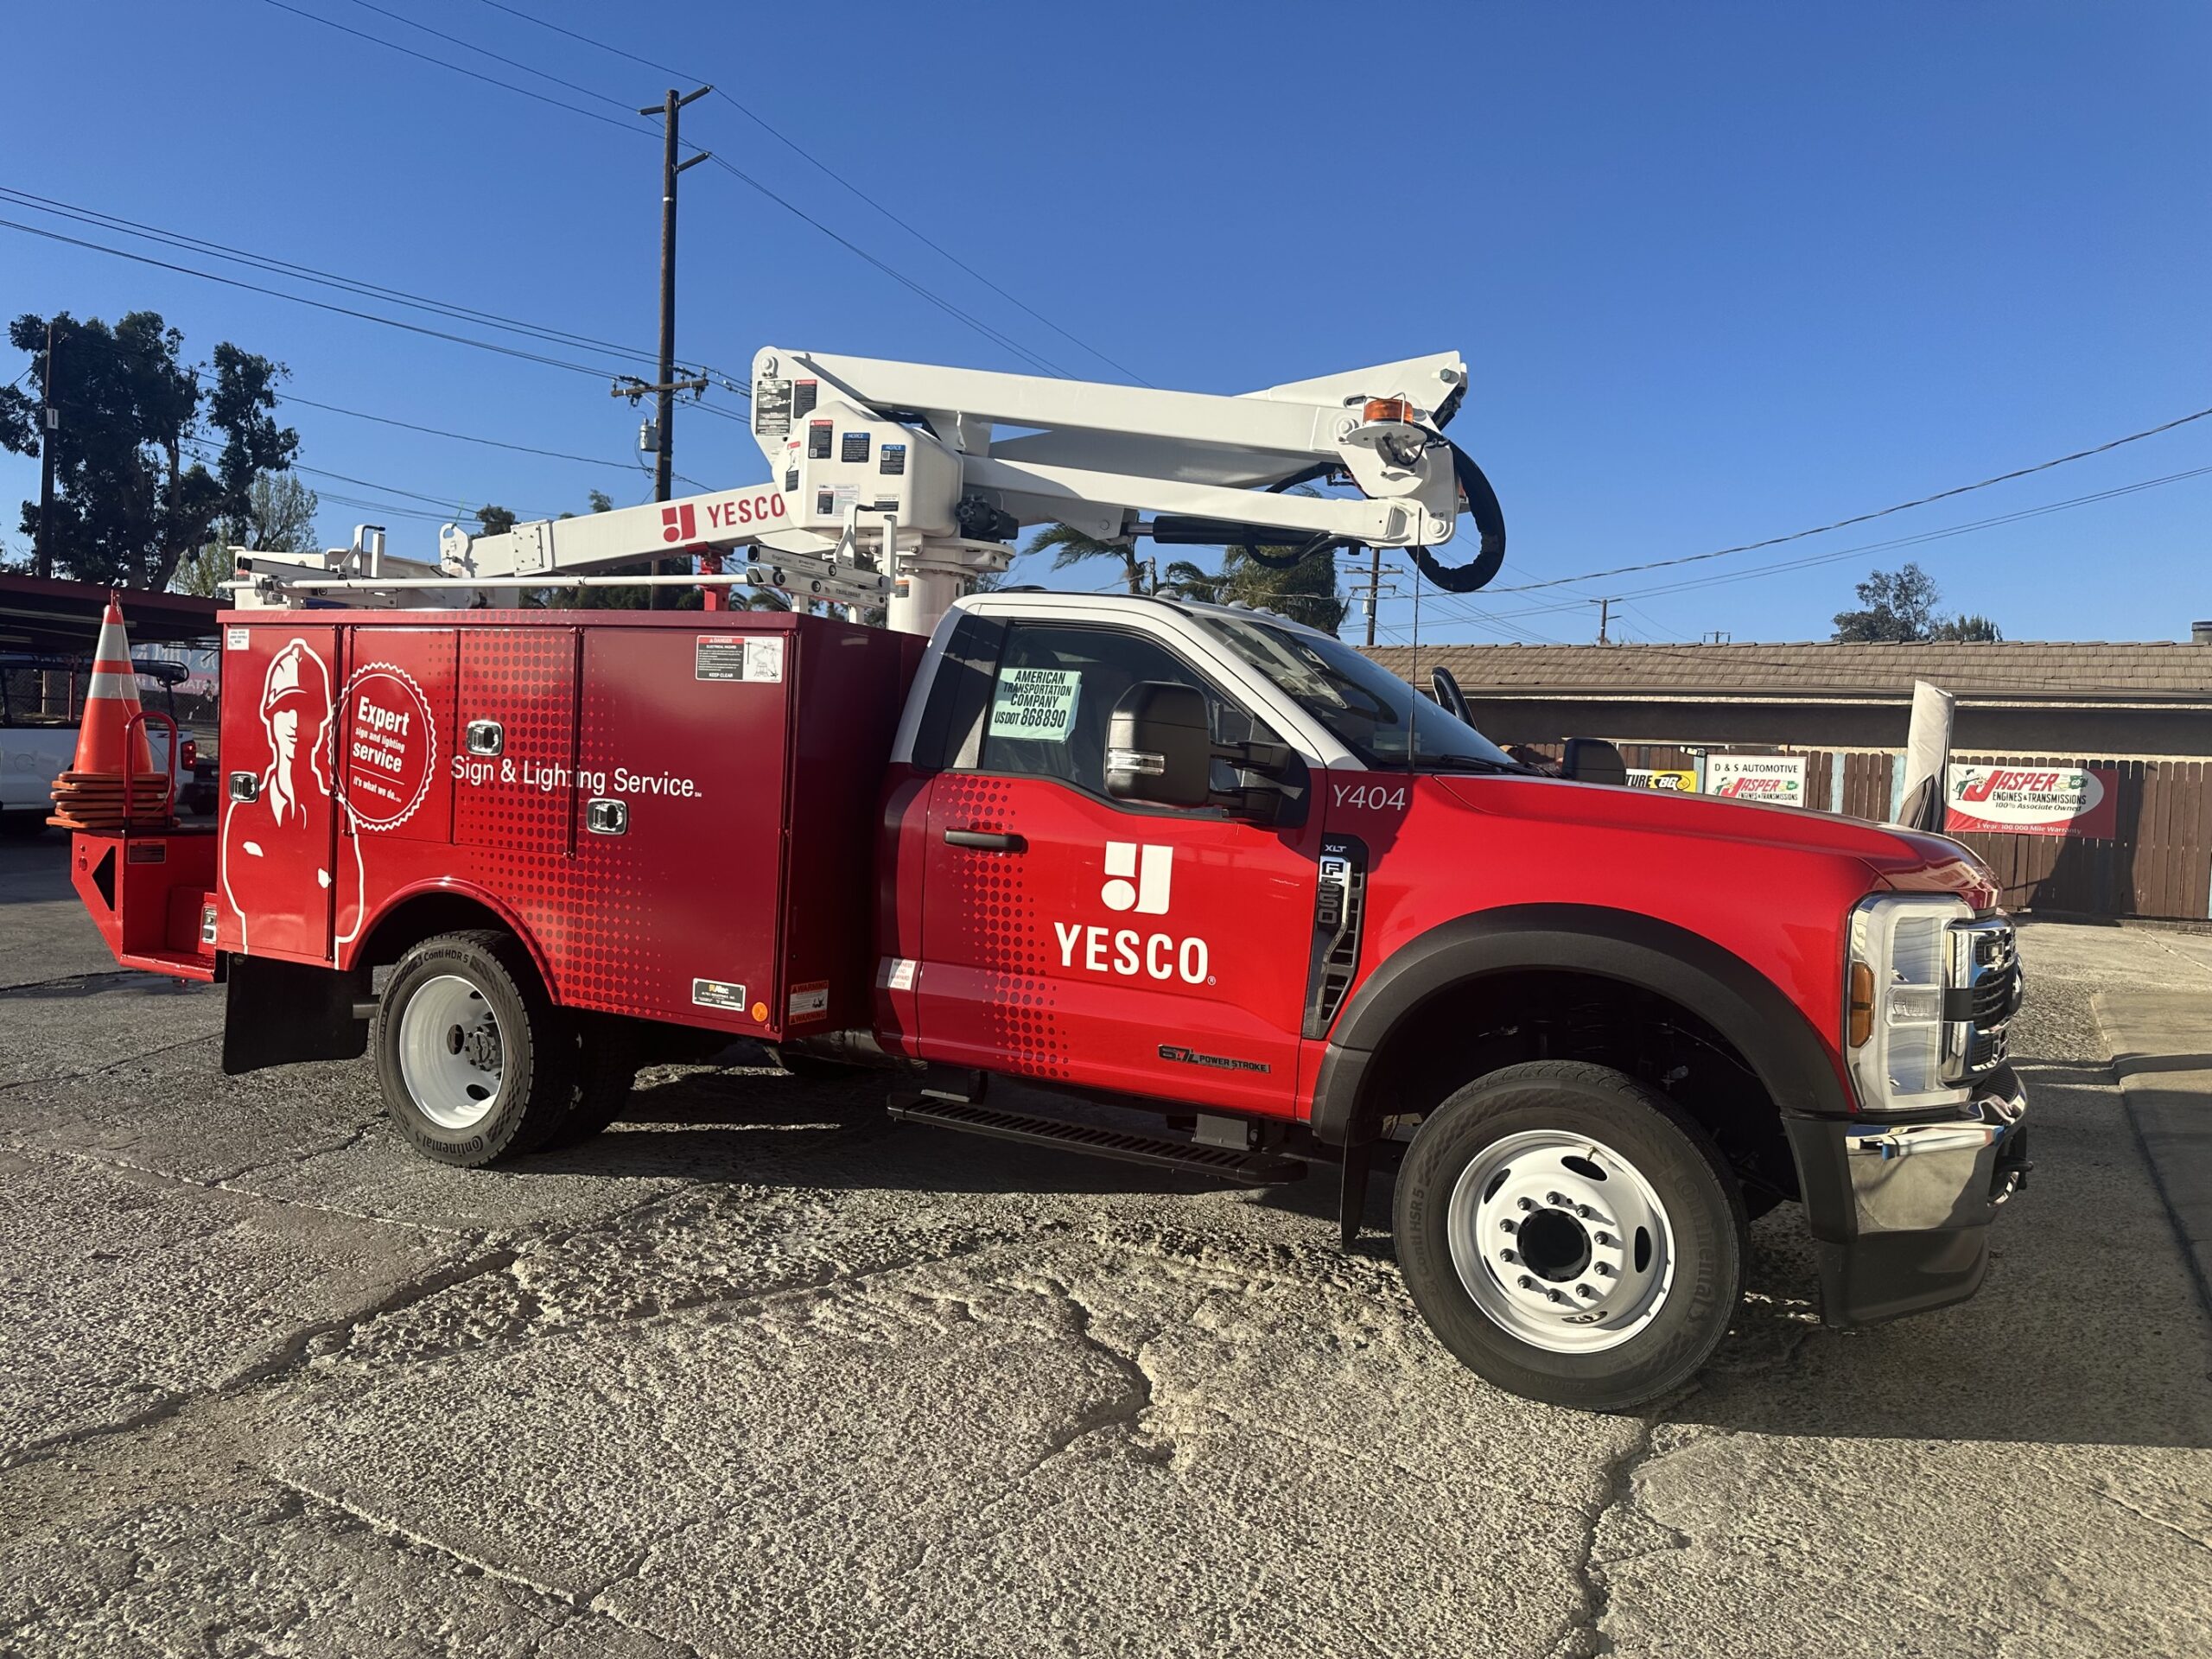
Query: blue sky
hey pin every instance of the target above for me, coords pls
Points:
(1720, 272)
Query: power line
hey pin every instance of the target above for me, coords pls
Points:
(452, 503)
(942, 304)
(1915, 540)
(460, 69)
(357, 286)
(459, 437)
(822, 166)
(1002, 341)
(486, 52)
(1863, 518)
(301, 299)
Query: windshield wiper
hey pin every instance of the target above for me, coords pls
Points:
(1470, 763)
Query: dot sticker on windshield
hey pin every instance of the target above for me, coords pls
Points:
(1035, 702)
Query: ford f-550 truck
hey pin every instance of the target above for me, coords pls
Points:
(1194, 862)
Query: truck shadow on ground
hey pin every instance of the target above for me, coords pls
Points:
(2044, 1354)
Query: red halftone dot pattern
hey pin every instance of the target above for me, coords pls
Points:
(998, 930)
(525, 679)
(612, 963)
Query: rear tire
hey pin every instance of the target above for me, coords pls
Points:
(1571, 1235)
(607, 1052)
(477, 1064)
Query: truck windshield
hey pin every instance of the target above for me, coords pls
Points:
(1370, 710)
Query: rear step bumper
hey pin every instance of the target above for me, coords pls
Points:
(1222, 1163)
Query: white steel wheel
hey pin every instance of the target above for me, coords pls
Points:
(1571, 1234)
(477, 1064)
(451, 1052)
(1561, 1241)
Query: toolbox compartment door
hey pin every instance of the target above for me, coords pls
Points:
(280, 816)
(681, 789)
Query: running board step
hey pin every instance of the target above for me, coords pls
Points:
(1248, 1169)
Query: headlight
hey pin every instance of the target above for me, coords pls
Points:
(1930, 993)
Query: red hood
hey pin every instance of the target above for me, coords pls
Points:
(1905, 858)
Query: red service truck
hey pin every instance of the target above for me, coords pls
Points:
(1193, 861)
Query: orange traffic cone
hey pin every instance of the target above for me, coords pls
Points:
(89, 796)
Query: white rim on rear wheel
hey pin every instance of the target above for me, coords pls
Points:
(1561, 1241)
(451, 1055)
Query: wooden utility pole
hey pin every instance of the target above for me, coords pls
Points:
(665, 387)
(49, 426)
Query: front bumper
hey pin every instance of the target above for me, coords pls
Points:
(1900, 1212)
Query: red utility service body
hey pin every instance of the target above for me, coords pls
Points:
(748, 753)
(744, 751)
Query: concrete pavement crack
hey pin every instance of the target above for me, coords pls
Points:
(127, 1059)
(2118, 1502)
(289, 1356)
(570, 1601)
(222, 1183)
(1585, 1636)
(1128, 1411)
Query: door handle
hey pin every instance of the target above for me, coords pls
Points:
(986, 841)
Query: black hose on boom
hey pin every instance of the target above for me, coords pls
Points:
(1490, 524)
(1482, 504)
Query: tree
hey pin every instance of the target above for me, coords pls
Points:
(1305, 591)
(495, 521)
(1896, 606)
(1899, 607)
(279, 517)
(1976, 628)
(129, 502)
(1071, 546)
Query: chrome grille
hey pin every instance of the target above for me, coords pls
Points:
(1983, 992)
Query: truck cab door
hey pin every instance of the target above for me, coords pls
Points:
(1081, 940)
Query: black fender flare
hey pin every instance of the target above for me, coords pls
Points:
(1721, 987)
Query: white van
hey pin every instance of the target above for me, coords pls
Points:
(41, 703)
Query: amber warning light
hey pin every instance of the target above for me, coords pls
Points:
(1862, 1004)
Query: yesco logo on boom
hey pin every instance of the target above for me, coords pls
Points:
(679, 520)
(1138, 879)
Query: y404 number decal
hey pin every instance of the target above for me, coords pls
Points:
(1372, 797)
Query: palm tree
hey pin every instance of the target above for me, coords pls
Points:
(1071, 546)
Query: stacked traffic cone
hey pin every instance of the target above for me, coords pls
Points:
(89, 796)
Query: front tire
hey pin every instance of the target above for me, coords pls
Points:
(1571, 1235)
(477, 1064)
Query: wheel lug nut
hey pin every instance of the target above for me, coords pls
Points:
(1526, 1283)
(1509, 1226)
(1524, 1204)
(1557, 1200)
(1511, 1258)
(1586, 1291)
(1605, 1270)
(1605, 1239)
(1586, 1212)
(1556, 1296)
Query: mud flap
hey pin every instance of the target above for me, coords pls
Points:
(281, 1012)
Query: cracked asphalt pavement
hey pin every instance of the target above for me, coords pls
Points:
(758, 1373)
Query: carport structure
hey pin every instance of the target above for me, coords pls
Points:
(49, 617)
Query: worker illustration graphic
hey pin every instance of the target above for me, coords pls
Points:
(276, 845)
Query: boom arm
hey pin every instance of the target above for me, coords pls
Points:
(886, 479)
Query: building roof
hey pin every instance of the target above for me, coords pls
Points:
(38, 614)
(2156, 672)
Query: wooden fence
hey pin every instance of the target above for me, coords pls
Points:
(2158, 865)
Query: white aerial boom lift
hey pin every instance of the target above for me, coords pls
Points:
(888, 487)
